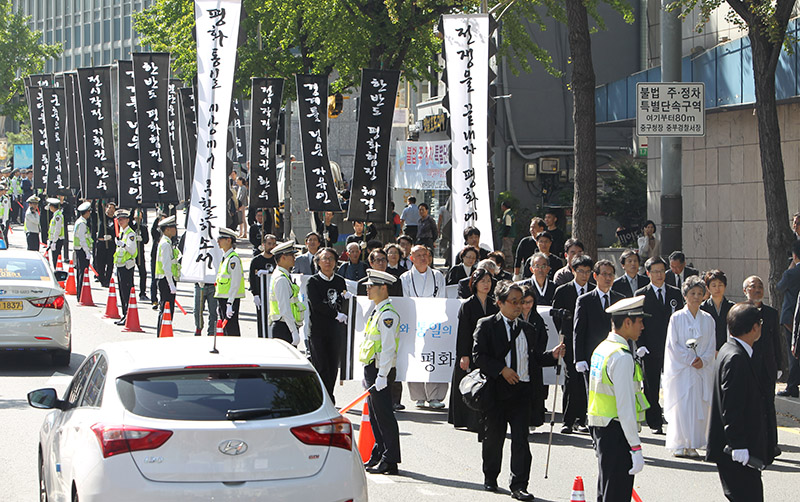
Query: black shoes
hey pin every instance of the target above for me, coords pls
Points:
(383, 468)
(490, 487)
(789, 392)
(567, 429)
(658, 432)
(369, 464)
(398, 407)
(521, 495)
(120, 322)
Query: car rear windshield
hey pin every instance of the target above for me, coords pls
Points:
(213, 394)
(23, 269)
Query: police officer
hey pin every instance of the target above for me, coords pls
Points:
(82, 242)
(55, 230)
(378, 353)
(168, 266)
(104, 247)
(230, 283)
(617, 403)
(5, 212)
(125, 260)
(285, 309)
(31, 225)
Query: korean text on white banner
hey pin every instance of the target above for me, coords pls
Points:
(428, 329)
(422, 165)
(217, 27)
(466, 50)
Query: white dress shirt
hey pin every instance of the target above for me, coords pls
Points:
(522, 351)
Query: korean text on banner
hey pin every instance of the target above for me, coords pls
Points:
(421, 165)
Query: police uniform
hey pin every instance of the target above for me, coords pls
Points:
(55, 230)
(5, 213)
(82, 242)
(229, 288)
(285, 309)
(616, 406)
(168, 269)
(31, 225)
(125, 260)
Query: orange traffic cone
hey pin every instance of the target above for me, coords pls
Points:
(59, 264)
(166, 323)
(366, 439)
(132, 317)
(70, 288)
(220, 329)
(86, 291)
(112, 312)
(578, 494)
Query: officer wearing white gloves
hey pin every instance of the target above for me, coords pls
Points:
(32, 223)
(286, 312)
(125, 260)
(168, 267)
(82, 242)
(617, 403)
(230, 283)
(55, 230)
(378, 353)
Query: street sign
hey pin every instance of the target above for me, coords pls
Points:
(670, 109)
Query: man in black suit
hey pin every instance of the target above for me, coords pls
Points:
(574, 400)
(738, 413)
(592, 323)
(789, 285)
(509, 351)
(678, 271)
(631, 280)
(543, 288)
(378, 260)
(660, 301)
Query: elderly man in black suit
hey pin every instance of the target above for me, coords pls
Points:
(678, 271)
(660, 301)
(543, 288)
(509, 351)
(592, 323)
(738, 410)
(631, 280)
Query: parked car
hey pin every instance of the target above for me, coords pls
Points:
(167, 419)
(34, 314)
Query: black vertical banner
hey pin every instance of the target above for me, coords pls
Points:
(189, 111)
(80, 132)
(57, 175)
(369, 194)
(100, 166)
(130, 174)
(36, 108)
(312, 100)
(151, 76)
(172, 128)
(184, 151)
(73, 157)
(239, 140)
(265, 107)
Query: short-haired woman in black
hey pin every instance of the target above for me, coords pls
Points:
(465, 267)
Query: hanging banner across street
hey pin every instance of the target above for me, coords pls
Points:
(217, 28)
(151, 77)
(265, 107)
(71, 132)
(188, 133)
(57, 175)
(130, 174)
(421, 165)
(312, 97)
(466, 47)
(101, 172)
(369, 199)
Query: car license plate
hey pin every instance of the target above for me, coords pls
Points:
(10, 305)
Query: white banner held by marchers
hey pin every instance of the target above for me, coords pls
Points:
(466, 45)
(217, 28)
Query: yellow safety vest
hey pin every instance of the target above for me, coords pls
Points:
(297, 308)
(75, 242)
(58, 213)
(372, 345)
(223, 285)
(602, 401)
(121, 255)
(176, 264)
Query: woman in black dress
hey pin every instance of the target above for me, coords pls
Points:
(394, 253)
(469, 256)
(718, 306)
(477, 306)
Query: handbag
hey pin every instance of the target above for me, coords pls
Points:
(474, 388)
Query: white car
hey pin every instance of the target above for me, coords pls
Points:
(34, 314)
(169, 420)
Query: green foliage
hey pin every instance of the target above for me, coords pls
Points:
(626, 199)
(23, 137)
(21, 54)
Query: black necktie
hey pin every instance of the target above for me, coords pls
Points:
(605, 301)
(581, 292)
(513, 347)
(660, 297)
(677, 281)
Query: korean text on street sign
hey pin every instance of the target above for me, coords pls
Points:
(670, 109)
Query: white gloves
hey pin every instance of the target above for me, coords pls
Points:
(229, 312)
(295, 338)
(741, 456)
(642, 351)
(261, 273)
(381, 383)
(347, 295)
(173, 290)
(342, 318)
(517, 277)
(780, 373)
(581, 366)
(638, 462)
(257, 300)
(118, 242)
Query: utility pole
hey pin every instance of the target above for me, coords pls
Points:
(671, 147)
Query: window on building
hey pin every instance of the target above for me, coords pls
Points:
(96, 33)
(68, 62)
(106, 31)
(117, 30)
(117, 55)
(67, 38)
(87, 33)
(107, 56)
(126, 28)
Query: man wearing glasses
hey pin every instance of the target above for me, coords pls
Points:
(378, 260)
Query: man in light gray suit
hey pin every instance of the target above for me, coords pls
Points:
(304, 263)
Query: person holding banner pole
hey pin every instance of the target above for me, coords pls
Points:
(82, 241)
(230, 283)
(32, 223)
(168, 267)
(285, 309)
(5, 212)
(104, 246)
(55, 230)
(260, 268)
(125, 260)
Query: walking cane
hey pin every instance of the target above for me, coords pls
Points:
(553, 413)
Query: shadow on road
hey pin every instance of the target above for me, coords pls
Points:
(453, 483)
(13, 404)
(35, 364)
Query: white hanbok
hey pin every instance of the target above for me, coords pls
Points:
(687, 390)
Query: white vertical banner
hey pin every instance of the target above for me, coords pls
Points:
(466, 46)
(217, 28)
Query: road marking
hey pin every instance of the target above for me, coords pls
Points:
(381, 479)
(793, 430)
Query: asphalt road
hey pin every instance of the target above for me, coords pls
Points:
(438, 461)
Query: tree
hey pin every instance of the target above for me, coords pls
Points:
(21, 54)
(766, 22)
(626, 199)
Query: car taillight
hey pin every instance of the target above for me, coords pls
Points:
(48, 302)
(116, 439)
(337, 432)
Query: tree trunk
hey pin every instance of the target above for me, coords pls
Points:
(779, 236)
(584, 205)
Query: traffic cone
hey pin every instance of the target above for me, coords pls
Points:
(59, 263)
(70, 288)
(132, 317)
(366, 439)
(220, 329)
(166, 323)
(112, 312)
(86, 291)
(578, 494)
